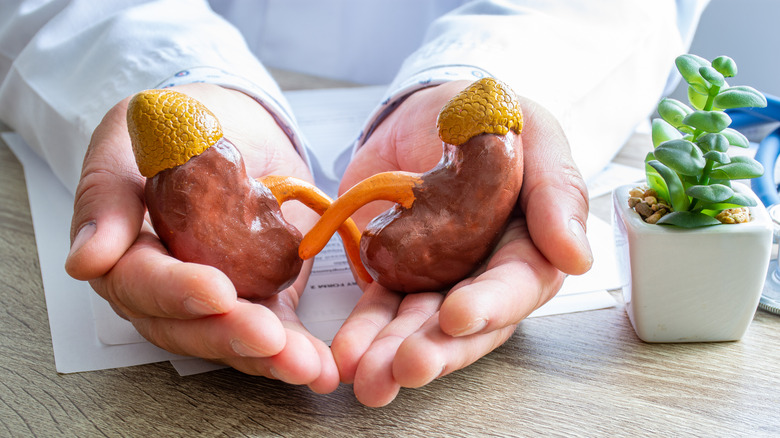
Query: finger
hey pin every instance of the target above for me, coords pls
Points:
(430, 353)
(517, 281)
(249, 330)
(375, 309)
(148, 282)
(374, 384)
(305, 359)
(108, 208)
(554, 196)
(329, 379)
(297, 363)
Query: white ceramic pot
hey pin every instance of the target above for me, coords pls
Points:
(699, 285)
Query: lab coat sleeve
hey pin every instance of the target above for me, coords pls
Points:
(64, 64)
(598, 66)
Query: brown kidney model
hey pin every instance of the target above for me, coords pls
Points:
(447, 220)
(209, 211)
(203, 205)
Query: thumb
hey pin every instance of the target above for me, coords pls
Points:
(554, 196)
(109, 208)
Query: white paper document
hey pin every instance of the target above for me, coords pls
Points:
(87, 334)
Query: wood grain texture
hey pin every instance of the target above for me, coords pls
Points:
(583, 374)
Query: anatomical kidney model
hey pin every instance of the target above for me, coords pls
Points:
(447, 220)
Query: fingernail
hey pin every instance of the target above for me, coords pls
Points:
(274, 373)
(578, 231)
(85, 233)
(475, 326)
(198, 307)
(244, 350)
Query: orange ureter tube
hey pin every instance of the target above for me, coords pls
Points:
(387, 186)
(286, 188)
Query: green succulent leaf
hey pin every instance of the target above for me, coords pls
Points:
(699, 90)
(687, 130)
(738, 200)
(709, 121)
(663, 131)
(688, 219)
(740, 167)
(672, 186)
(735, 138)
(712, 76)
(673, 111)
(682, 156)
(710, 193)
(689, 180)
(713, 142)
(654, 179)
(698, 96)
(740, 97)
(725, 66)
(697, 100)
(688, 65)
(718, 157)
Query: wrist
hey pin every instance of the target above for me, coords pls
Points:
(402, 88)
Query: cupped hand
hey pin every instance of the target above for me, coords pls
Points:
(187, 308)
(392, 340)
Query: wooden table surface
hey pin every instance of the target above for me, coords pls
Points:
(581, 374)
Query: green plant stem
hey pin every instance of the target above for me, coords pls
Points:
(712, 92)
(704, 179)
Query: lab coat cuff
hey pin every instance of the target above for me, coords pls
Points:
(276, 107)
(400, 91)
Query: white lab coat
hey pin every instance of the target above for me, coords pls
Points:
(599, 66)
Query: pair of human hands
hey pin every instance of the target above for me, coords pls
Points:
(390, 340)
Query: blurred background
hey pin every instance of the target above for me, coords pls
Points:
(746, 30)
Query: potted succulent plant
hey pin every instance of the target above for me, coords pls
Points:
(695, 244)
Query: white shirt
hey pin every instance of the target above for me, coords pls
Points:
(599, 66)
